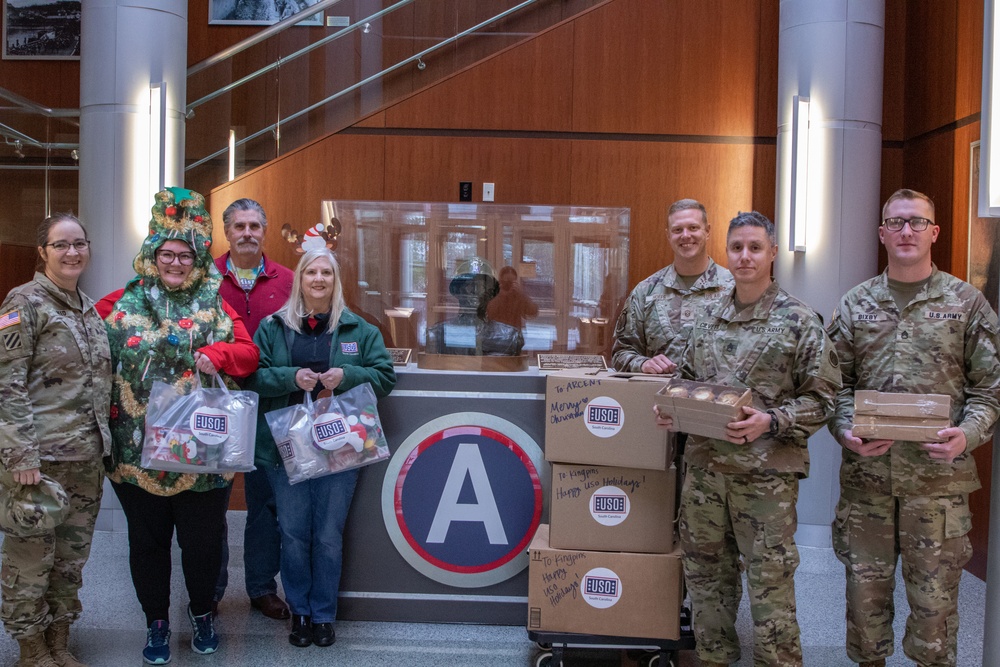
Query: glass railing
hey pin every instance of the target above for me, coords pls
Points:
(290, 84)
(38, 165)
(295, 83)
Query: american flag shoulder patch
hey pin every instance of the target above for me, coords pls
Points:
(349, 348)
(9, 319)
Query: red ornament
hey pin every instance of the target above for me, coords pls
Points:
(198, 218)
(208, 244)
(185, 323)
(141, 281)
(187, 374)
(170, 210)
(119, 316)
(134, 341)
(114, 412)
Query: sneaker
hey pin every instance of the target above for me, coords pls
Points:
(203, 637)
(157, 651)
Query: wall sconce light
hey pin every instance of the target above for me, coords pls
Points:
(989, 151)
(157, 135)
(800, 173)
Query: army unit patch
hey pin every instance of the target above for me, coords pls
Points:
(12, 340)
(10, 319)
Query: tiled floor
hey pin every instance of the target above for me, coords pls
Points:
(111, 633)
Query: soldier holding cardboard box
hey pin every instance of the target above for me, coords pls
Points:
(654, 324)
(912, 330)
(739, 493)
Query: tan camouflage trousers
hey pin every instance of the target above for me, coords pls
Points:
(930, 535)
(723, 517)
(40, 577)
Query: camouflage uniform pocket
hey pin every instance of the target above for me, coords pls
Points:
(842, 531)
(957, 518)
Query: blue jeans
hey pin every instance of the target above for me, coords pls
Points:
(312, 515)
(261, 539)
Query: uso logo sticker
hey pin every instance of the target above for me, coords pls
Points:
(609, 506)
(210, 425)
(601, 588)
(462, 498)
(330, 432)
(604, 417)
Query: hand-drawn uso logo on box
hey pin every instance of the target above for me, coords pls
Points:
(461, 499)
(605, 417)
(210, 425)
(601, 588)
(609, 505)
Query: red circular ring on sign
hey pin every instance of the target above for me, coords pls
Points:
(432, 440)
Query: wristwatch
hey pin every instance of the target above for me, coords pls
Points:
(774, 424)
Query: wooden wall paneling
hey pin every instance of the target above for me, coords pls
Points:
(763, 179)
(685, 67)
(969, 59)
(525, 171)
(648, 176)
(893, 69)
(892, 180)
(979, 503)
(291, 188)
(931, 59)
(51, 83)
(929, 167)
(766, 107)
(18, 262)
(528, 87)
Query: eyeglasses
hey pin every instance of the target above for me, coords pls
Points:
(64, 246)
(168, 257)
(916, 224)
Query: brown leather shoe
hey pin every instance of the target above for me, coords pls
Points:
(271, 606)
(872, 663)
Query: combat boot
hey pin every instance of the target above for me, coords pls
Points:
(872, 663)
(34, 652)
(57, 639)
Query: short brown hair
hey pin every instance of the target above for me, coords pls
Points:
(904, 193)
(46, 225)
(685, 205)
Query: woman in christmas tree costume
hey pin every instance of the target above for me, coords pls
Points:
(167, 322)
(313, 343)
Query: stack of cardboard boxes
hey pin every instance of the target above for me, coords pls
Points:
(606, 564)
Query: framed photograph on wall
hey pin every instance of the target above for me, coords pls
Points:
(41, 29)
(984, 236)
(259, 12)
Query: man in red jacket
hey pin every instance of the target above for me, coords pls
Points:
(255, 287)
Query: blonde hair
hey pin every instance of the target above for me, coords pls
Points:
(294, 310)
(906, 193)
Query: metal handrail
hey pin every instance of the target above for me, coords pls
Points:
(275, 127)
(34, 107)
(292, 56)
(280, 26)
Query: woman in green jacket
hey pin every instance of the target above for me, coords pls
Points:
(313, 343)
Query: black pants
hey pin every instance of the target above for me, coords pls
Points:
(199, 518)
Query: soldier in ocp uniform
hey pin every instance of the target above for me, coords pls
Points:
(913, 329)
(655, 323)
(54, 405)
(739, 494)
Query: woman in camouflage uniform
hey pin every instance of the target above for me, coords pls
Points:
(56, 365)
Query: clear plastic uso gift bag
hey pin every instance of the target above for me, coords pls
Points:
(205, 431)
(332, 434)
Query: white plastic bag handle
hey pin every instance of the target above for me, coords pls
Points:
(222, 385)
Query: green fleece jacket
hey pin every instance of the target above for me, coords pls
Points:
(357, 347)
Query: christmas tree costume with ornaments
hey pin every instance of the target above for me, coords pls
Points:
(155, 331)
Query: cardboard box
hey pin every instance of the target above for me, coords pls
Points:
(913, 417)
(604, 419)
(702, 416)
(604, 508)
(616, 594)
